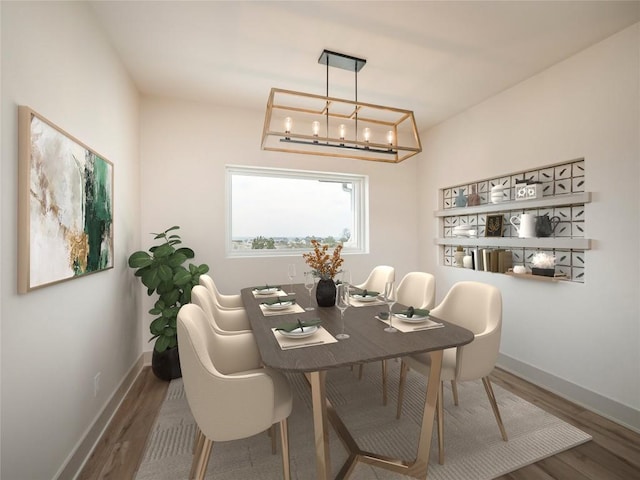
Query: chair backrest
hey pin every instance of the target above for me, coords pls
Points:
(477, 307)
(378, 277)
(225, 407)
(417, 289)
(224, 301)
(224, 321)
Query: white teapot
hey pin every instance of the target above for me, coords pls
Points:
(525, 226)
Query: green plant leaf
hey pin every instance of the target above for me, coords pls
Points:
(182, 276)
(203, 268)
(171, 297)
(162, 343)
(158, 326)
(165, 272)
(176, 259)
(140, 260)
(151, 279)
(163, 250)
(155, 311)
(175, 227)
(187, 251)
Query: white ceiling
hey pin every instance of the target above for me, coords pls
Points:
(436, 58)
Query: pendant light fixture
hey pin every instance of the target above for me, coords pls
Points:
(297, 122)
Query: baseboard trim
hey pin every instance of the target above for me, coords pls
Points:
(616, 412)
(82, 451)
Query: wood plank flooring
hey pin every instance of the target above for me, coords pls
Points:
(614, 453)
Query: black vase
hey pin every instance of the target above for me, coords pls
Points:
(166, 365)
(326, 293)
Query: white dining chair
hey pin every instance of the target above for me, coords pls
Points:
(376, 281)
(230, 398)
(225, 320)
(477, 307)
(224, 301)
(377, 278)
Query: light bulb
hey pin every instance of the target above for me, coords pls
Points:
(287, 125)
(342, 130)
(367, 134)
(390, 137)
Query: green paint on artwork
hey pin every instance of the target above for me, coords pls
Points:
(98, 217)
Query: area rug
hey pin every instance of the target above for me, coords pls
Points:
(474, 449)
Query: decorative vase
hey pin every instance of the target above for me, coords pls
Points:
(461, 200)
(166, 365)
(326, 292)
(473, 199)
(458, 257)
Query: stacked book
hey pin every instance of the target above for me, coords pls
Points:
(492, 259)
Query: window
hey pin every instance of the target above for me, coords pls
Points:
(278, 212)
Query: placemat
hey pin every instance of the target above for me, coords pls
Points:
(321, 337)
(412, 327)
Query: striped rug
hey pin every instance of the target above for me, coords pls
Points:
(474, 449)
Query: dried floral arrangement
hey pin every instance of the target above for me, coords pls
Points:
(543, 260)
(323, 265)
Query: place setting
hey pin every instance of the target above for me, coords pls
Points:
(280, 306)
(268, 291)
(301, 333)
(364, 298)
(409, 320)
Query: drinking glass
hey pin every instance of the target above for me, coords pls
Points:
(291, 273)
(390, 299)
(342, 303)
(309, 282)
(345, 277)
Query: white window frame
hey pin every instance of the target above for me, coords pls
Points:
(359, 242)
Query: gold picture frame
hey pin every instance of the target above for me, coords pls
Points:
(493, 226)
(65, 205)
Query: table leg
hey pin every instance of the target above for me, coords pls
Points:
(424, 443)
(320, 424)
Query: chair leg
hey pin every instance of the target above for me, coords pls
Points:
(284, 436)
(198, 443)
(454, 390)
(404, 368)
(201, 460)
(384, 382)
(272, 434)
(198, 437)
(440, 412)
(494, 406)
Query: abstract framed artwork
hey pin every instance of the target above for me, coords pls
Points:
(493, 226)
(65, 206)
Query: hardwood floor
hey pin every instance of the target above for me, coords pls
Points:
(613, 454)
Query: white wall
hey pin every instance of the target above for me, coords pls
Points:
(581, 340)
(184, 149)
(55, 339)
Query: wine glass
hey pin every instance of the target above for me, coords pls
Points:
(390, 299)
(309, 282)
(342, 303)
(345, 277)
(291, 273)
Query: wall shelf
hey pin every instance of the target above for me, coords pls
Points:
(559, 243)
(555, 201)
(530, 276)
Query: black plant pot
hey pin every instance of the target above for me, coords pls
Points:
(326, 293)
(166, 365)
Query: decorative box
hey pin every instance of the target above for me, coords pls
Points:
(545, 272)
(531, 191)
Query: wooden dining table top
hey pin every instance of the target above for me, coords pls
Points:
(368, 342)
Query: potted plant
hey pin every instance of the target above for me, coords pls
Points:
(325, 267)
(162, 271)
(543, 264)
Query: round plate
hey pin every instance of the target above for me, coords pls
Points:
(306, 332)
(278, 306)
(368, 298)
(266, 291)
(414, 319)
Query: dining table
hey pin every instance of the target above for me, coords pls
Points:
(367, 342)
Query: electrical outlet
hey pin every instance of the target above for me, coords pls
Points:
(96, 384)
